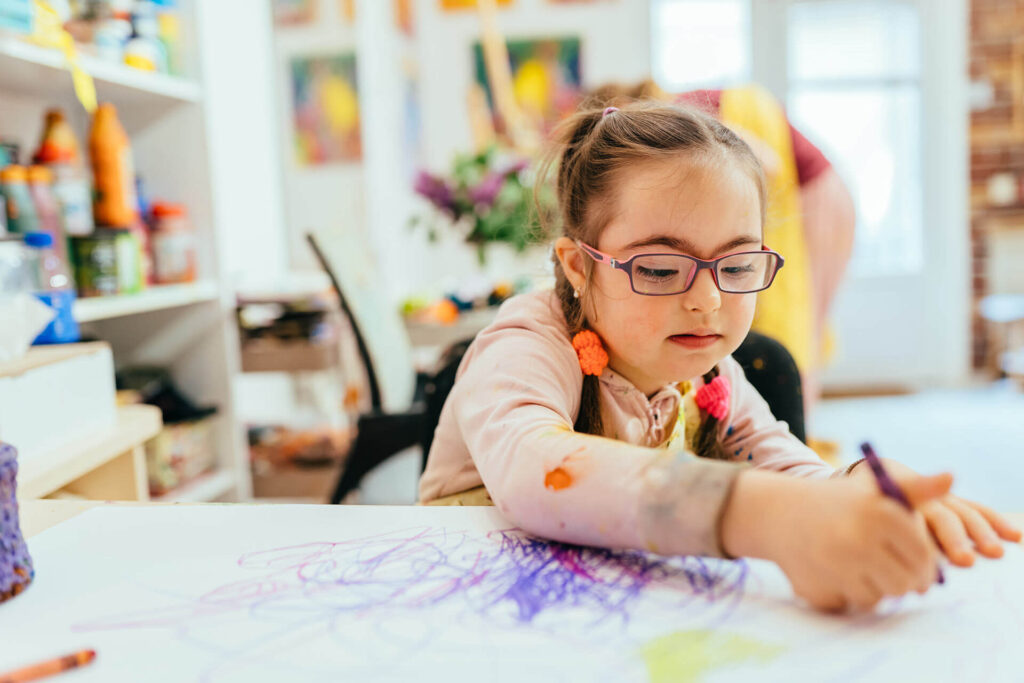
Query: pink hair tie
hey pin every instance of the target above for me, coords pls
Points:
(609, 110)
(713, 397)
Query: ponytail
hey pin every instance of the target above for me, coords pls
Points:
(705, 441)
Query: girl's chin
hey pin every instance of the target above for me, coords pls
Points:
(694, 367)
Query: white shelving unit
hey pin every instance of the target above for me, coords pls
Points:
(210, 486)
(108, 464)
(40, 71)
(193, 140)
(153, 299)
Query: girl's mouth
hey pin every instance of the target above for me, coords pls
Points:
(695, 341)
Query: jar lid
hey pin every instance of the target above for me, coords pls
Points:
(39, 240)
(167, 209)
(13, 174)
(40, 174)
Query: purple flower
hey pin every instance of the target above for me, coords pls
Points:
(436, 190)
(487, 191)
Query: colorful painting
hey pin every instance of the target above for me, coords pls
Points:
(545, 78)
(412, 123)
(325, 106)
(348, 11)
(456, 5)
(404, 17)
(290, 12)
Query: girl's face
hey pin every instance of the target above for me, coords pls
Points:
(701, 210)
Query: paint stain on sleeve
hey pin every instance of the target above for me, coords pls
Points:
(557, 479)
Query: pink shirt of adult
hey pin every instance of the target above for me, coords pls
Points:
(508, 424)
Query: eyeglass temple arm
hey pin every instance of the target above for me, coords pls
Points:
(599, 256)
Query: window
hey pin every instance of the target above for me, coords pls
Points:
(855, 89)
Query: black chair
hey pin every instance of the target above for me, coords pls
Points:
(381, 434)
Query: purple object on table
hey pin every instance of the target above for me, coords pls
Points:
(888, 486)
(15, 564)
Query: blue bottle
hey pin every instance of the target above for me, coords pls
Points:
(55, 289)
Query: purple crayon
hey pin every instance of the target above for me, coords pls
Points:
(888, 486)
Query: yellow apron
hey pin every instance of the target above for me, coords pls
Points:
(784, 310)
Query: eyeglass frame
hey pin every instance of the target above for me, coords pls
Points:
(712, 265)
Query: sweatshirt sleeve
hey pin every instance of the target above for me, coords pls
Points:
(515, 404)
(751, 433)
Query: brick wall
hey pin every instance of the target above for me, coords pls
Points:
(997, 148)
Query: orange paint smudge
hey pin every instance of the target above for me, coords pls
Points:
(557, 479)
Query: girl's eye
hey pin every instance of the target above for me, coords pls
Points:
(736, 271)
(656, 274)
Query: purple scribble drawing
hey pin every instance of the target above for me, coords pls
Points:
(503, 576)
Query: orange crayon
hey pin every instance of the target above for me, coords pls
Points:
(49, 667)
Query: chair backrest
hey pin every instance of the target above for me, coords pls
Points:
(380, 335)
(437, 390)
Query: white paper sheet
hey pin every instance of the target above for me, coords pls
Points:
(330, 593)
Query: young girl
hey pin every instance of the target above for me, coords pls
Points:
(610, 413)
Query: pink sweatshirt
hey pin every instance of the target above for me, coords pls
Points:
(508, 424)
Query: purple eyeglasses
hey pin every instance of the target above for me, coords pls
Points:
(742, 272)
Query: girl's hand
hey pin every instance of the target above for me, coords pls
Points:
(955, 522)
(842, 545)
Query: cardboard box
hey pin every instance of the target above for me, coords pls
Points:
(55, 396)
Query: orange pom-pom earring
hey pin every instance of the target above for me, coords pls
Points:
(593, 357)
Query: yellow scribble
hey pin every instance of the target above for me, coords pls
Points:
(686, 656)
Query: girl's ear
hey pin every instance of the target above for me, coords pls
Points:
(572, 260)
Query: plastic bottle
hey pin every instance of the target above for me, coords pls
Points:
(21, 212)
(113, 169)
(169, 33)
(145, 51)
(3, 214)
(60, 152)
(174, 244)
(54, 288)
(40, 187)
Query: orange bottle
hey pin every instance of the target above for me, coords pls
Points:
(115, 204)
(58, 145)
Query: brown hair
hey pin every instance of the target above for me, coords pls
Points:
(591, 150)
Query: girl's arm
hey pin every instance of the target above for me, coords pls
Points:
(841, 544)
(515, 403)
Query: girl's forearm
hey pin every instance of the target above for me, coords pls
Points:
(756, 513)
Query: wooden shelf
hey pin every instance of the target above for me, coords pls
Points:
(44, 474)
(153, 299)
(41, 72)
(205, 488)
(465, 326)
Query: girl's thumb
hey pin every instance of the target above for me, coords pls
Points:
(924, 488)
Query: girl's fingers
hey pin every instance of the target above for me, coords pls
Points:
(921, 579)
(891, 575)
(949, 531)
(1002, 526)
(978, 528)
(865, 595)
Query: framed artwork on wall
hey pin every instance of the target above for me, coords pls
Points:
(456, 5)
(294, 12)
(325, 109)
(546, 78)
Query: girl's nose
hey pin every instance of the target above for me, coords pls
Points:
(703, 295)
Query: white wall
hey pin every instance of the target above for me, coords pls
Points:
(240, 130)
